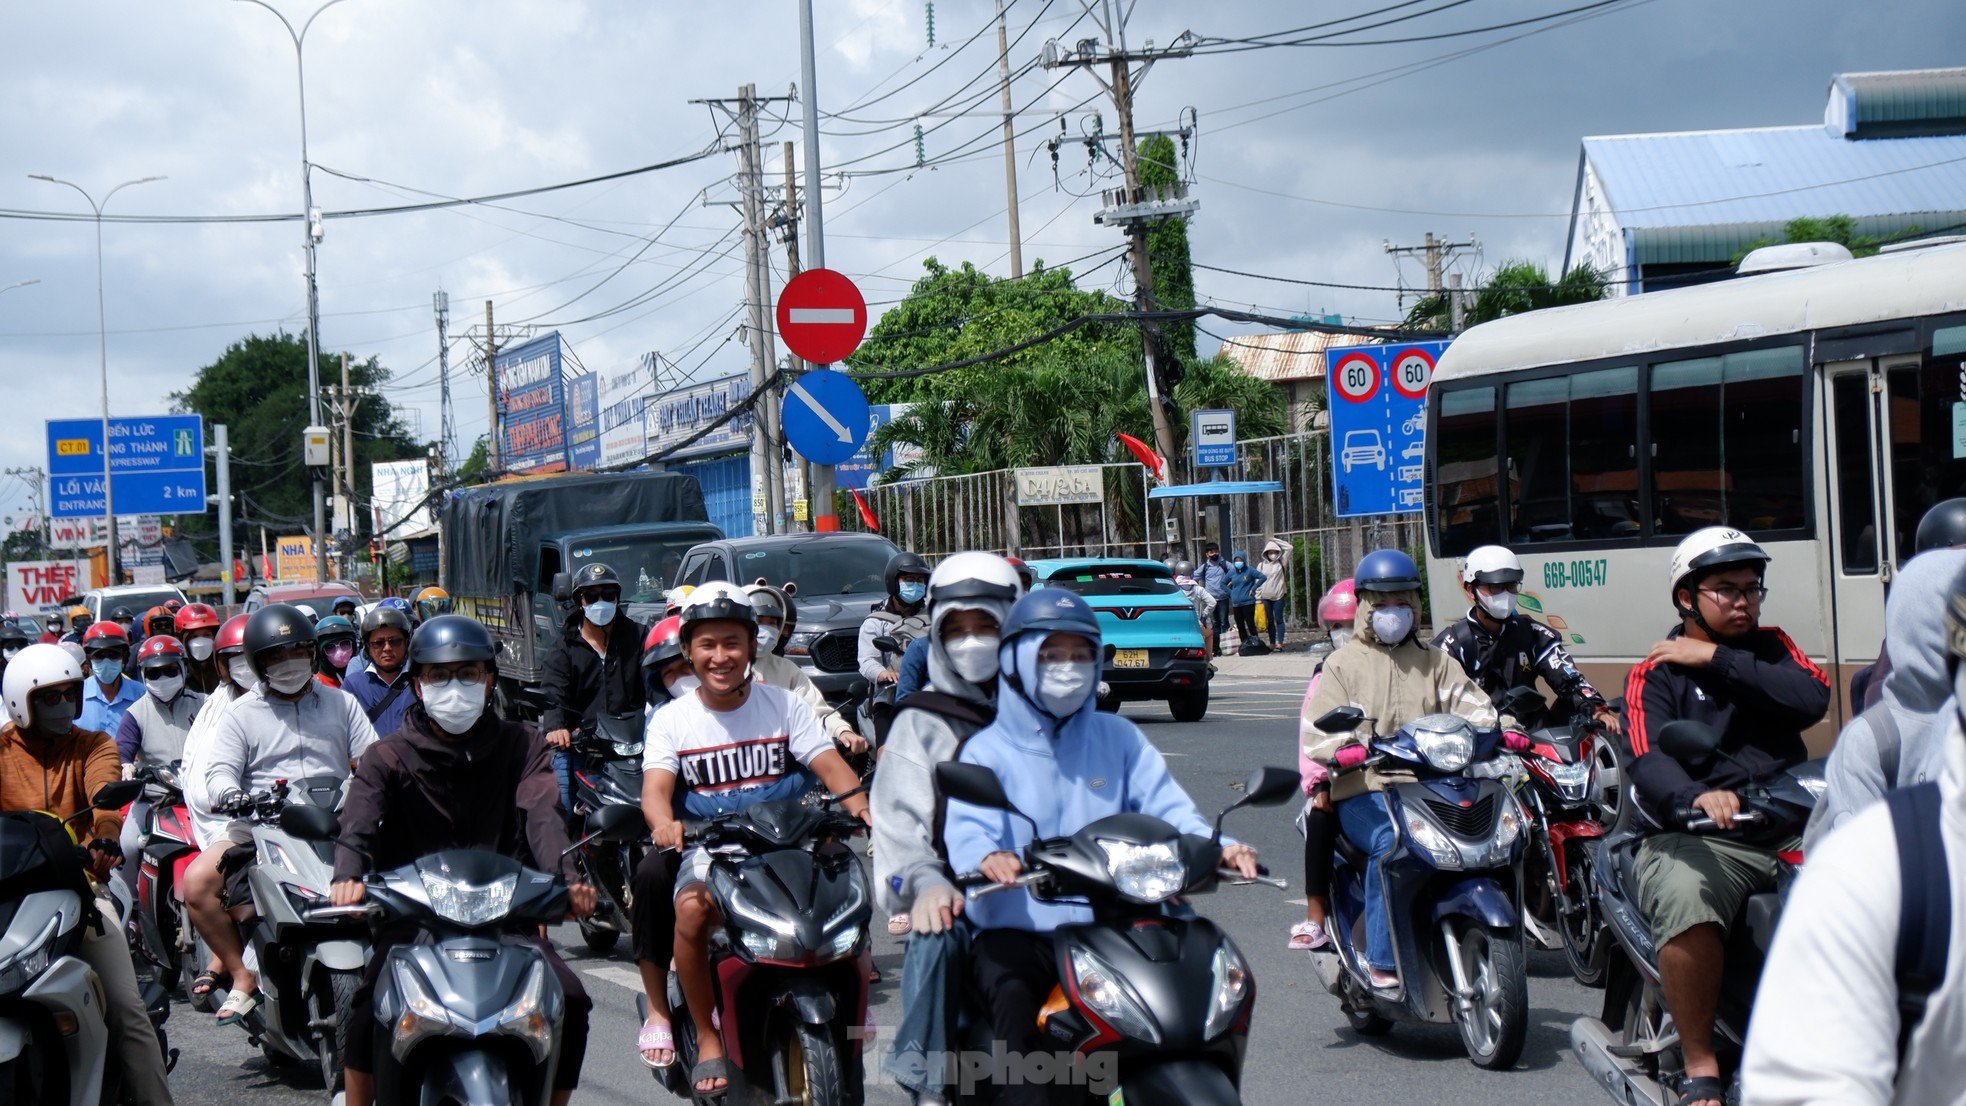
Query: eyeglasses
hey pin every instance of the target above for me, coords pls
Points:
(469, 672)
(390, 643)
(1728, 593)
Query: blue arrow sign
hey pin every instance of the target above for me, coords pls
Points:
(825, 416)
(157, 464)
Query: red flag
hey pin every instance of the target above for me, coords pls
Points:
(867, 518)
(1145, 455)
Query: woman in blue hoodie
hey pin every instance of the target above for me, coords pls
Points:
(1065, 765)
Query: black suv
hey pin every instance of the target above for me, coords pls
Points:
(839, 579)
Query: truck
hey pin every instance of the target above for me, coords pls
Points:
(510, 547)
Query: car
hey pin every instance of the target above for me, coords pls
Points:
(1155, 645)
(1362, 448)
(317, 600)
(839, 578)
(1414, 450)
(137, 597)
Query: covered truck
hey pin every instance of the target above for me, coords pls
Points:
(505, 543)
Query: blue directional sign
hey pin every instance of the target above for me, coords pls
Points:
(825, 416)
(157, 464)
(1378, 404)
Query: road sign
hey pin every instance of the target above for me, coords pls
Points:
(1214, 436)
(157, 463)
(1378, 400)
(821, 316)
(825, 415)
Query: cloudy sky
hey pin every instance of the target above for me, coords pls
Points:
(1306, 159)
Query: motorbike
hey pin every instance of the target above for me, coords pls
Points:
(1560, 908)
(54, 1043)
(1632, 1051)
(1160, 990)
(165, 937)
(465, 1015)
(308, 968)
(791, 957)
(607, 774)
(1453, 891)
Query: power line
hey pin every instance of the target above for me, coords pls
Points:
(1234, 46)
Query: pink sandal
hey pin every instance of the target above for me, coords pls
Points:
(657, 1036)
(1307, 936)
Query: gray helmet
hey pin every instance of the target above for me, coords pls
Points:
(380, 617)
(1183, 568)
(451, 639)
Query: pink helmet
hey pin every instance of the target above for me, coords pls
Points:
(1339, 605)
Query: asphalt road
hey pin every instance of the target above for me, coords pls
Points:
(1300, 1045)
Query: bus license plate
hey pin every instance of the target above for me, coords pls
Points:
(1129, 658)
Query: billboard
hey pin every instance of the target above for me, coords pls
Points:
(532, 406)
(39, 586)
(293, 560)
(623, 392)
(157, 464)
(400, 493)
(678, 416)
(584, 421)
(1378, 410)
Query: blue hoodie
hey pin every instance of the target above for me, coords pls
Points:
(1243, 582)
(1065, 775)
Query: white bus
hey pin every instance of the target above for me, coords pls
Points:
(1822, 410)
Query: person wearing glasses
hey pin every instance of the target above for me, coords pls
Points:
(379, 678)
(1722, 667)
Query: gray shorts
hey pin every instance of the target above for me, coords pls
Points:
(692, 869)
(1689, 879)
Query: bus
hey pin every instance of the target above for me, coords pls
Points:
(1822, 410)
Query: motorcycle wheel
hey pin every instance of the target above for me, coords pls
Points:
(1582, 932)
(1365, 1023)
(807, 1067)
(1494, 1029)
(1608, 782)
(335, 1002)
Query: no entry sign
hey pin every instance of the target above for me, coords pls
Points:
(821, 316)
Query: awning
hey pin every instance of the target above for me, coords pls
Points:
(1216, 487)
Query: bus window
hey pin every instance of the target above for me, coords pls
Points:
(1537, 433)
(1926, 465)
(1728, 442)
(1604, 454)
(1856, 494)
(1467, 497)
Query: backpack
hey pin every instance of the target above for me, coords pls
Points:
(1925, 904)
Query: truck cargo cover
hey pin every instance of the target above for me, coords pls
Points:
(492, 532)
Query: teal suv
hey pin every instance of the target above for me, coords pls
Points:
(1155, 648)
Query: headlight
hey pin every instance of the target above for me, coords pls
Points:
(627, 748)
(526, 1017)
(843, 943)
(1145, 873)
(765, 937)
(423, 1016)
(1231, 987)
(1573, 781)
(1509, 826)
(840, 934)
(1445, 752)
(25, 966)
(1102, 991)
(1429, 837)
(800, 645)
(466, 904)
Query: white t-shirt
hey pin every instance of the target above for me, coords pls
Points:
(728, 759)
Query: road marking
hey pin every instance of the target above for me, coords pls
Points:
(617, 975)
(819, 409)
(821, 315)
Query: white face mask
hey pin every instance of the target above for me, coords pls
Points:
(1340, 637)
(165, 688)
(454, 705)
(683, 685)
(287, 677)
(1499, 606)
(1392, 624)
(200, 648)
(601, 612)
(241, 671)
(767, 639)
(973, 656)
(1063, 688)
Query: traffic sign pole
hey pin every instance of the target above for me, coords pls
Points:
(822, 317)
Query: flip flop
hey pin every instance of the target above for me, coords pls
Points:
(1701, 1088)
(656, 1036)
(719, 1068)
(898, 924)
(204, 983)
(237, 1005)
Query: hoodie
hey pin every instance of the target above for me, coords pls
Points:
(1243, 582)
(1064, 774)
(1917, 693)
(907, 846)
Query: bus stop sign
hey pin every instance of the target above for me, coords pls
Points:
(1378, 404)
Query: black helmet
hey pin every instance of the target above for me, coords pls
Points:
(12, 634)
(384, 616)
(274, 626)
(451, 639)
(1942, 527)
(122, 614)
(595, 575)
(903, 564)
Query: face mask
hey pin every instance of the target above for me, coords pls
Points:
(1271, 556)
(241, 671)
(1499, 606)
(600, 612)
(454, 705)
(57, 719)
(1240, 563)
(767, 639)
(287, 677)
(108, 672)
(1339, 638)
(684, 685)
(913, 591)
(973, 656)
(165, 688)
(200, 648)
(10, 652)
(1392, 624)
(1062, 688)
(340, 653)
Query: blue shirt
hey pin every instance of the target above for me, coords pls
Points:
(1243, 583)
(1214, 575)
(99, 712)
(914, 670)
(370, 690)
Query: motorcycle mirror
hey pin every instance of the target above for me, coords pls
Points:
(1340, 720)
(887, 644)
(616, 824)
(1520, 700)
(973, 784)
(309, 822)
(1270, 786)
(1687, 740)
(119, 794)
(858, 689)
(1107, 653)
(562, 587)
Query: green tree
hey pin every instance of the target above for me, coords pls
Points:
(1516, 287)
(1167, 253)
(1840, 229)
(476, 468)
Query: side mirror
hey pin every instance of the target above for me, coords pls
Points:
(887, 644)
(115, 796)
(617, 825)
(1106, 653)
(1270, 786)
(1687, 740)
(1340, 720)
(563, 587)
(309, 822)
(972, 784)
(858, 689)
(1520, 701)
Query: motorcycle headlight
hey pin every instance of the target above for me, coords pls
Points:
(1445, 752)
(423, 1016)
(1509, 826)
(840, 934)
(1145, 873)
(1231, 987)
(763, 935)
(469, 904)
(628, 748)
(1106, 995)
(1430, 838)
(526, 1017)
(1573, 781)
(23, 967)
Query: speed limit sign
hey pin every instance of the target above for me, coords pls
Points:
(1356, 377)
(1412, 370)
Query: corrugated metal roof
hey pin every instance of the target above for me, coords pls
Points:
(1289, 355)
(1909, 101)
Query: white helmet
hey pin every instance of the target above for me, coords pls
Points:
(717, 601)
(974, 575)
(34, 667)
(1712, 548)
(767, 601)
(1491, 564)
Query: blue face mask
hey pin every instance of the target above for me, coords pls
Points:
(913, 591)
(107, 672)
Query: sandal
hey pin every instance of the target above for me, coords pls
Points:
(1701, 1088)
(1307, 936)
(719, 1068)
(206, 982)
(237, 1005)
(657, 1036)
(898, 924)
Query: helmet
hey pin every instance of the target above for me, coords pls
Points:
(899, 565)
(664, 643)
(162, 645)
(768, 602)
(1702, 551)
(677, 596)
(36, 666)
(74, 651)
(432, 601)
(595, 575)
(1182, 568)
(333, 627)
(122, 614)
(451, 639)
(12, 634)
(231, 635)
(104, 635)
(974, 576)
(1052, 610)
(716, 601)
(195, 616)
(173, 605)
(1025, 577)
(1386, 570)
(1942, 527)
(1339, 605)
(273, 626)
(341, 601)
(158, 620)
(79, 617)
(380, 616)
(1491, 564)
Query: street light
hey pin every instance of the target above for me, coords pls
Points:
(310, 234)
(113, 577)
(21, 284)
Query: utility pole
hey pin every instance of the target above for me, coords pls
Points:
(1457, 304)
(491, 387)
(789, 221)
(346, 403)
(221, 452)
(764, 448)
(447, 439)
(1435, 253)
(1009, 144)
(823, 518)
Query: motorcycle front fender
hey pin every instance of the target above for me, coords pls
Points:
(341, 956)
(1174, 1083)
(1480, 899)
(811, 1001)
(468, 1076)
(13, 1038)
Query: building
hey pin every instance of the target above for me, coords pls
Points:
(1293, 360)
(1656, 211)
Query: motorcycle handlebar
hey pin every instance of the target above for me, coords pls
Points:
(1695, 820)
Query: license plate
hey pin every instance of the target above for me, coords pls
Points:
(1129, 658)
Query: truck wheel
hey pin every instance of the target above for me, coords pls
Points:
(1190, 706)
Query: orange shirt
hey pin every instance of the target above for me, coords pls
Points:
(59, 776)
